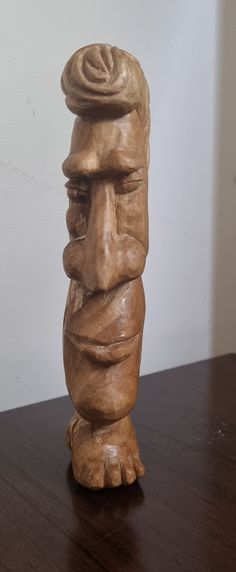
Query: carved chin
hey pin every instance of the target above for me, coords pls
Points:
(90, 377)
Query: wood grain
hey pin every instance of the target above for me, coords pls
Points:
(182, 515)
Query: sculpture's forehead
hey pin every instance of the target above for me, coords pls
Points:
(103, 137)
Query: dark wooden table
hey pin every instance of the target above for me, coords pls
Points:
(182, 514)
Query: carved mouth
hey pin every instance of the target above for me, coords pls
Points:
(107, 354)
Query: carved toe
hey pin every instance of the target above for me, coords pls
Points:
(113, 473)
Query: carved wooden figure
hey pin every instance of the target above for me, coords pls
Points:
(107, 219)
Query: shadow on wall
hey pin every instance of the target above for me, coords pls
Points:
(224, 229)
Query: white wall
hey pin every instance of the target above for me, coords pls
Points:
(179, 44)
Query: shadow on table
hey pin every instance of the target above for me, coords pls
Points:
(103, 530)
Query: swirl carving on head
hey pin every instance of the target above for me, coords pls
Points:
(103, 81)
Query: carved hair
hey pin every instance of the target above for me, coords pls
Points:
(102, 81)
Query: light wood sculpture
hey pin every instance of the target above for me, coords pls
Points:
(107, 219)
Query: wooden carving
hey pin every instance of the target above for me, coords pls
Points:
(107, 219)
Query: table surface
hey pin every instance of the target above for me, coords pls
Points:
(180, 516)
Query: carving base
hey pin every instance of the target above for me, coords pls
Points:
(104, 455)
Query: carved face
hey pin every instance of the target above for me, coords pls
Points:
(108, 227)
(107, 215)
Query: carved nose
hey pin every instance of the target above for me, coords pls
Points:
(101, 243)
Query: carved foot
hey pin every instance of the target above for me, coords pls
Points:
(104, 456)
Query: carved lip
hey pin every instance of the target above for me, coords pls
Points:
(108, 354)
